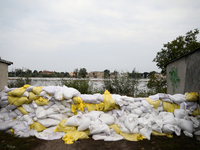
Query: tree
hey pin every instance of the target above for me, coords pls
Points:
(157, 84)
(176, 48)
(75, 73)
(82, 73)
(106, 73)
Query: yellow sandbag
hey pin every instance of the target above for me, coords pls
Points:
(12, 99)
(116, 128)
(158, 134)
(192, 96)
(19, 91)
(12, 131)
(90, 107)
(41, 101)
(9, 93)
(22, 110)
(100, 106)
(169, 107)
(61, 128)
(196, 112)
(37, 90)
(80, 105)
(20, 101)
(70, 137)
(109, 103)
(154, 103)
(37, 126)
(32, 96)
(132, 136)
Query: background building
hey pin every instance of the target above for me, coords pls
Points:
(4, 73)
(183, 74)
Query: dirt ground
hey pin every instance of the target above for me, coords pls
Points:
(8, 142)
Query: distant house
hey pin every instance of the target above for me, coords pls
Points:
(96, 74)
(47, 72)
(183, 74)
(4, 73)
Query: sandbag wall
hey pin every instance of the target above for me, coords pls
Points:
(54, 112)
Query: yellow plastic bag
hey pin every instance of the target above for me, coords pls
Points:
(132, 136)
(196, 112)
(79, 104)
(19, 91)
(61, 128)
(41, 101)
(70, 137)
(154, 103)
(169, 107)
(109, 103)
(32, 96)
(20, 101)
(158, 134)
(12, 131)
(116, 128)
(37, 126)
(12, 99)
(22, 110)
(192, 96)
(37, 90)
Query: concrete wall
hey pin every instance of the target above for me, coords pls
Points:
(188, 71)
(177, 82)
(193, 72)
(3, 75)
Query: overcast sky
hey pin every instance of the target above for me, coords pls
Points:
(61, 35)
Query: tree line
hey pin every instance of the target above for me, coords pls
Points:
(77, 73)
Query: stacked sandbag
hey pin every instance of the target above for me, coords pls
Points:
(53, 112)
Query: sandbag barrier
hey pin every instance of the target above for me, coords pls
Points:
(54, 112)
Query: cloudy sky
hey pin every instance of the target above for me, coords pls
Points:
(61, 35)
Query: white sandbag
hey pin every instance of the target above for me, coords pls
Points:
(124, 129)
(6, 89)
(186, 125)
(32, 114)
(96, 122)
(68, 92)
(146, 132)
(163, 96)
(4, 97)
(30, 89)
(99, 129)
(26, 118)
(93, 115)
(99, 97)
(118, 99)
(7, 125)
(48, 122)
(157, 128)
(154, 97)
(41, 112)
(58, 117)
(59, 94)
(122, 118)
(25, 94)
(66, 103)
(51, 89)
(11, 107)
(137, 111)
(84, 125)
(197, 132)
(131, 122)
(49, 105)
(168, 128)
(131, 106)
(42, 93)
(60, 105)
(144, 122)
(180, 113)
(6, 116)
(195, 121)
(75, 120)
(99, 136)
(107, 119)
(191, 105)
(188, 134)
(128, 99)
(18, 112)
(169, 120)
(23, 134)
(13, 115)
(66, 110)
(3, 110)
(34, 105)
(4, 103)
(178, 98)
(28, 108)
(167, 100)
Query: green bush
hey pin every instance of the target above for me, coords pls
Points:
(19, 82)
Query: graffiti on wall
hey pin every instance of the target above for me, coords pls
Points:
(173, 77)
